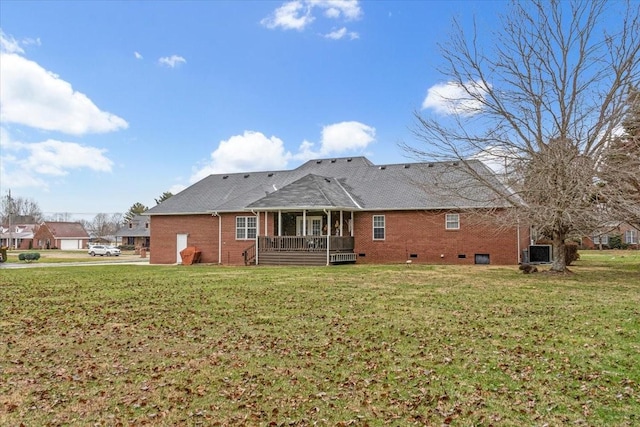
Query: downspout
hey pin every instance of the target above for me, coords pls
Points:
(518, 237)
(219, 236)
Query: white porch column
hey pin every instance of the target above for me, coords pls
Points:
(279, 223)
(304, 222)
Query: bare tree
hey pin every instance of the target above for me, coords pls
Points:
(620, 168)
(20, 208)
(545, 100)
(103, 225)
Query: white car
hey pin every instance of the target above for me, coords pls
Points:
(103, 250)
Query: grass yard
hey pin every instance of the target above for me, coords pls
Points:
(349, 345)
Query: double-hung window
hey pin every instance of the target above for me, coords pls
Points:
(452, 222)
(245, 227)
(603, 239)
(631, 237)
(378, 227)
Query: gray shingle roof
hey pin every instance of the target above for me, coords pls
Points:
(345, 183)
(137, 227)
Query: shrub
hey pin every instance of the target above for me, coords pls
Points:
(616, 242)
(126, 247)
(29, 256)
(571, 252)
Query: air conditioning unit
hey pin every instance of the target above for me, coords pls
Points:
(540, 254)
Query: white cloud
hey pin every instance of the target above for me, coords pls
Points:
(8, 44)
(138, 55)
(172, 61)
(341, 33)
(32, 164)
(338, 138)
(298, 14)
(294, 15)
(253, 151)
(348, 9)
(451, 98)
(33, 96)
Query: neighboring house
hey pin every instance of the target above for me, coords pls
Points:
(618, 234)
(19, 236)
(60, 235)
(333, 211)
(135, 232)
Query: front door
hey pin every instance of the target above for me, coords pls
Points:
(181, 243)
(314, 225)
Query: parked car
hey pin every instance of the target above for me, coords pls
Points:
(103, 250)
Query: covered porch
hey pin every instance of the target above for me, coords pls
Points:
(308, 222)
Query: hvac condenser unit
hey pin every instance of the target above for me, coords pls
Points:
(540, 254)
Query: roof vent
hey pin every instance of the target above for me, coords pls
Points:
(225, 177)
(270, 175)
(349, 159)
(407, 166)
(430, 165)
(383, 167)
(246, 176)
(455, 163)
(333, 160)
(318, 161)
(327, 179)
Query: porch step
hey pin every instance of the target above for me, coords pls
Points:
(292, 258)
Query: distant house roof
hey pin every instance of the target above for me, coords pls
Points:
(342, 183)
(66, 230)
(138, 226)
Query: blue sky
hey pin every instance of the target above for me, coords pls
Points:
(107, 103)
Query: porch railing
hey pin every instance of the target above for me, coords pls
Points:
(304, 243)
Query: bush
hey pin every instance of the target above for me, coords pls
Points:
(615, 242)
(126, 247)
(571, 252)
(29, 256)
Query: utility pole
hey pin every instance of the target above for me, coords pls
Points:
(10, 203)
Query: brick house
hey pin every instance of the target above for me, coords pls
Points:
(60, 235)
(626, 234)
(333, 211)
(17, 236)
(135, 232)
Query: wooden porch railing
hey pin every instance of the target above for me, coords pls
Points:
(249, 254)
(304, 243)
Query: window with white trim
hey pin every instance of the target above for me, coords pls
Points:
(631, 237)
(245, 227)
(378, 227)
(601, 240)
(452, 222)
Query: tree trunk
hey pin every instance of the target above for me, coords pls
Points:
(559, 264)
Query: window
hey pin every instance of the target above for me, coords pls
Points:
(452, 222)
(245, 227)
(631, 237)
(378, 227)
(602, 239)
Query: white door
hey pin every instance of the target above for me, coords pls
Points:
(181, 243)
(314, 226)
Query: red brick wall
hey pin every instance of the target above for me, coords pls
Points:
(423, 234)
(202, 233)
(407, 232)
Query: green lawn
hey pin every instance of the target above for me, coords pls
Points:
(348, 345)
